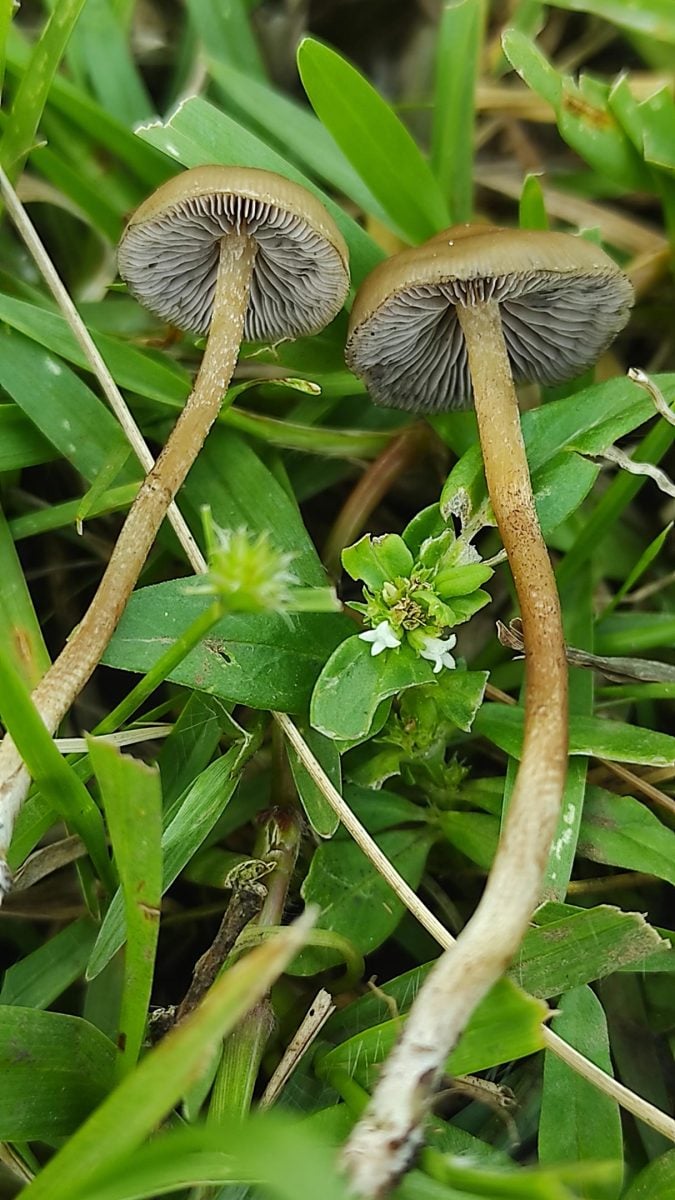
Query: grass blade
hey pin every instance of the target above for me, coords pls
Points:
(140, 1102)
(460, 39)
(132, 798)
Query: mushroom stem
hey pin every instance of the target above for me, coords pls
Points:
(67, 676)
(384, 1141)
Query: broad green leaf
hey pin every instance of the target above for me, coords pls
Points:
(137, 1106)
(286, 1160)
(624, 833)
(354, 899)
(377, 559)
(132, 800)
(99, 51)
(267, 661)
(55, 1070)
(354, 682)
(458, 50)
(378, 146)
(21, 444)
(241, 491)
(37, 980)
(653, 18)
(588, 735)
(473, 834)
(656, 1181)
(459, 695)
(198, 134)
(298, 131)
(504, 1026)
(585, 945)
(138, 370)
(317, 809)
(63, 408)
(577, 1122)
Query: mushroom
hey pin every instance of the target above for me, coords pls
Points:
(227, 251)
(466, 312)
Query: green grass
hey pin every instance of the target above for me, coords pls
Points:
(126, 862)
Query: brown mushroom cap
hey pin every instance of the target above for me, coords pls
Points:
(169, 251)
(562, 302)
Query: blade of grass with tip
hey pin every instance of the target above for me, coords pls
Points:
(144, 1098)
(132, 801)
(19, 627)
(31, 95)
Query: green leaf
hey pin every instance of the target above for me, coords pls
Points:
(282, 1158)
(267, 661)
(580, 946)
(656, 1181)
(452, 133)
(459, 695)
(377, 559)
(507, 1024)
(473, 834)
(201, 805)
(144, 1098)
(63, 408)
(378, 146)
(100, 51)
(354, 899)
(300, 134)
(224, 29)
(55, 1070)
(578, 1123)
(57, 781)
(19, 627)
(653, 18)
(132, 800)
(354, 682)
(21, 444)
(620, 831)
(532, 208)
(31, 96)
(584, 117)
(241, 491)
(318, 811)
(588, 735)
(37, 980)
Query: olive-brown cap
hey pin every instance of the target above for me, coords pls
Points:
(169, 251)
(562, 302)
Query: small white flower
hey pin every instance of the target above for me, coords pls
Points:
(382, 638)
(437, 651)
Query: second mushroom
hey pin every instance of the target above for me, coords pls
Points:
(462, 316)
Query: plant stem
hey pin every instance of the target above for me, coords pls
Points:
(385, 1140)
(77, 661)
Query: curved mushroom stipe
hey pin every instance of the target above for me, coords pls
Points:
(224, 248)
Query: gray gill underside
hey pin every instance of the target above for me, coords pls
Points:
(170, 264)
(412, 354)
